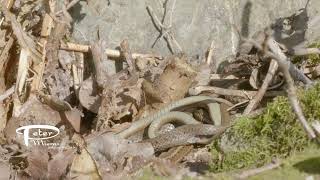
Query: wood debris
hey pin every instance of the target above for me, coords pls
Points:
(67, 108)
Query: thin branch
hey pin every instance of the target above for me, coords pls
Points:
(47, 25)
(7, 93)
(24, 40)
(5, 52)
(165, 30)
(102, 76)
(230, 92)
(171, 13)
(255, 113)
(316, 126)
(255, 101)
(296, 73)
(237, 105)
(305, 51)
(111, 53)
(210, 54)
(125, 50)
(252, 172)
(292, 95)
(282, 60)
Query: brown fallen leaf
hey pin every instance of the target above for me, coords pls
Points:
(57, 166)
(88, 95)
(121, 99)
(116, 155)
(83, 167)
(173, 83)
(5, 171)
(38, 163)
(121, 92)
(74, 118)
(32, 112)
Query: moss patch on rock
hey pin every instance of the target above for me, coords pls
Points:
(275, 134)
(312, 59)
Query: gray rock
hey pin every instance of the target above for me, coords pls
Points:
(195, 23)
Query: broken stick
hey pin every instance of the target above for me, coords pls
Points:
(111, 53)
(257, 98)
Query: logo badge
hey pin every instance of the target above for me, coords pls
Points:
(39, 132)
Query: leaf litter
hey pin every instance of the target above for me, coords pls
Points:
(46, 80)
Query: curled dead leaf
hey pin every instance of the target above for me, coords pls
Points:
(88, 95)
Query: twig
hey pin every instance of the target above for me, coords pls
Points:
(1, 21)
(124, 46)
(78, 47)
(8, 5)
(171, 13)
(165, 31)
(5, 52)
(252, 172)
(210, 53)
(39, 68)
(282, 60)
(7, 93)
(307, 51)
(257, 98)
(99, 58)
(238, 104)
(22, 70)
(161, 28)
(111, 53)
(229, 92)
(255, 113)
(24, 40)
(316, 126)
(296, 73)
(77, 71)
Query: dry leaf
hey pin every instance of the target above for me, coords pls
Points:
(4, 171)
(203, 75)
(88, 96)
(83, 167)
(111, 153)
(38, 163)
(32, 112)
(57, 166)
(74, 118)
(173, 83)
(24, 40)
(59, 83)
(66, 59)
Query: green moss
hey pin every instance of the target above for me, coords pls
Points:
(312, 59)
(275, 134)
(147, 174)
(298, 166)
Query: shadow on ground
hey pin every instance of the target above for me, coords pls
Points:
(311, 165)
